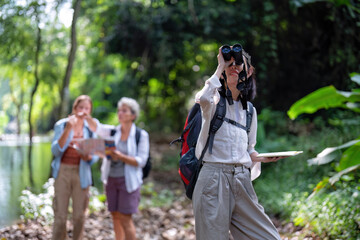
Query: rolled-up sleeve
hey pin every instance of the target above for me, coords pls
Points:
(209, 96)
(256, 166)
(252, 133)
(55, 147)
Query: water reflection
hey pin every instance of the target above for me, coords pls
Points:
(15, 177)
(14, 172)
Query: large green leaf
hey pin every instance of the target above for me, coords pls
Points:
(352, 97)
(355, 77)
(337, 176)
(329, 154)
(326, 97)
(353, 106)
(350, 157)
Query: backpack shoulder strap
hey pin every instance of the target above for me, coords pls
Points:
(249, 115)
(217, 121)
(137, 135)
(193, 116)
(90, 132)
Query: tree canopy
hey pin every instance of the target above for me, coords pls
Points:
(161, 51)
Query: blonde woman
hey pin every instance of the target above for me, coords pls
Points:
(71, 170)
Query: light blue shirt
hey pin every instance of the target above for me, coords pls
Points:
(57, 151)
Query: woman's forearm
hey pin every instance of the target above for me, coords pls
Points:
(92, 123)
(64, 136)
(255, 158)
(125, 158)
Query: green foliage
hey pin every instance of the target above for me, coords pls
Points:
(333, 214)
(160, 52)
(286, 182)
(340, 174)
(329, 97)
(38, 206)
(150, 197)
(291, 175)
(333, 209)
(169, 160)
(173, 42)
(350, 157)
(4, 119)
(18, 63)
(97, 200)
(329, 154)
(273, 122)
(284, 187)
(169, 51)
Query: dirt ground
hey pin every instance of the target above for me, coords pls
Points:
(171, 223)
(174, 222)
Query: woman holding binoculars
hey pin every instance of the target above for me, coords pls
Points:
(224, 198)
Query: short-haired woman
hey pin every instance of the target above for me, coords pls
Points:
(122, 174)
(71, 170)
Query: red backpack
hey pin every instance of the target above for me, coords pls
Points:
(189, 165)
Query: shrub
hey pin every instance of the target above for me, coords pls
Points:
(334, 213)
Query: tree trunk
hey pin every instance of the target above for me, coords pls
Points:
(37, 80)
(64, 109)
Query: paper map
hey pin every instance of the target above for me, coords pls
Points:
(94, 146)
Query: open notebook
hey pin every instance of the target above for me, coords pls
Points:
(280, 154)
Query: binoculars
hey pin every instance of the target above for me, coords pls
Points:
(235, 52)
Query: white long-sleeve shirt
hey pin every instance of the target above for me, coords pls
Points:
(230, 142)
(133, 174)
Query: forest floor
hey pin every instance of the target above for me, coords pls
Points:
(174, 221)
(171, 222)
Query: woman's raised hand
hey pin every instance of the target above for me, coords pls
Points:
(221, 64)
(92, 123)
(72, 121)
(220, 58)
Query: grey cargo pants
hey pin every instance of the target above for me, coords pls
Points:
(224, 199)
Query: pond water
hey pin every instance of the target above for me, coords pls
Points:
(15, 175)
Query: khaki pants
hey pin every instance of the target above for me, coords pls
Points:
(67, 185)
(224, 199)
